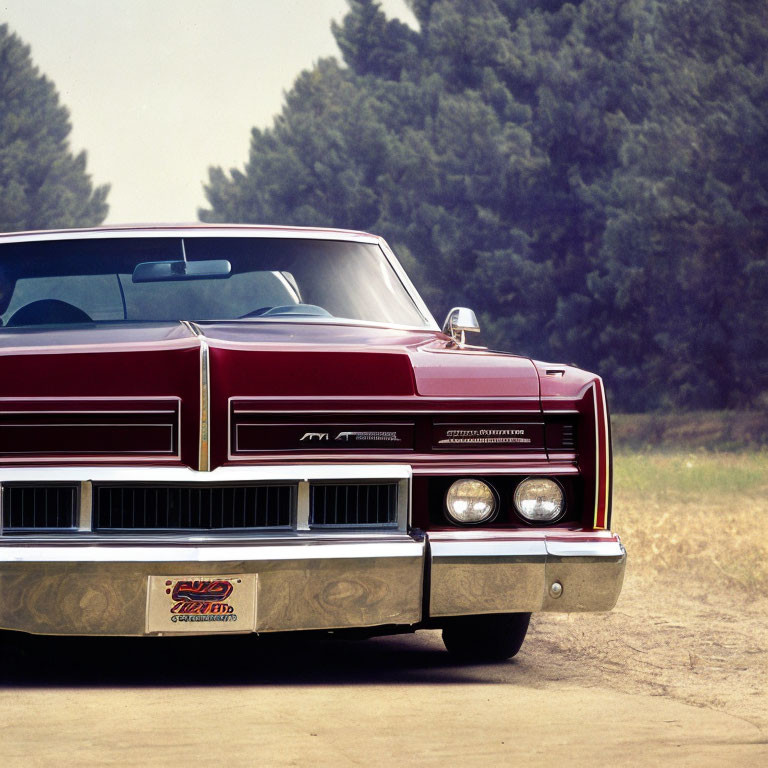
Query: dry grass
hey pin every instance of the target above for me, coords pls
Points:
(698, 516)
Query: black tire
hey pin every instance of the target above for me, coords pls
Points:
(491, 637)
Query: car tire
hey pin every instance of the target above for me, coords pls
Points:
(491, 637)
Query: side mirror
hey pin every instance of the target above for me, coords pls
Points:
(458, 322)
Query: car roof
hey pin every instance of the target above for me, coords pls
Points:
(189, 230)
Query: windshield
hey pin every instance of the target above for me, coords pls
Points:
(68, 282)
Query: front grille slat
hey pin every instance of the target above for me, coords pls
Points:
(353, 505)
(213, 508)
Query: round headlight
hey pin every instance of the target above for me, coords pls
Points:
(539, 500)
(470, 502)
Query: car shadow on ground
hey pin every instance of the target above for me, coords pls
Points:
(290, 659)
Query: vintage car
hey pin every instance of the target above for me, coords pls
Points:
(234, 429)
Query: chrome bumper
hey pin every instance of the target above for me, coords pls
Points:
(362, 580)
(476, 572)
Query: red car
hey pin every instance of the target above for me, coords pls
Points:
(262, 429)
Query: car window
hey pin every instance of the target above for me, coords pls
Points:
(73, 281)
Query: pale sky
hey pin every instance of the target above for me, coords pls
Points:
(159, 90)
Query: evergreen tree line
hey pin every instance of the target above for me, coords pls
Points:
(591, 177)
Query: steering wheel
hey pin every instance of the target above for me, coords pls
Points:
(48, 312)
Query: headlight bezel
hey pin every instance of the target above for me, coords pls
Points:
(463, 523)
(540, 523)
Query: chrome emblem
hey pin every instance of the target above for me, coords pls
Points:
(315, 436)
(484, 436)
(389, 437)
(347, 437)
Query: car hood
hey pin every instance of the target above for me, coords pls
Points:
(372, 360)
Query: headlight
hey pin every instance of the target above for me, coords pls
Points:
(539, 500)
(470, 502)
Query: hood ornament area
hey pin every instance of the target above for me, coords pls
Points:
(458, 322)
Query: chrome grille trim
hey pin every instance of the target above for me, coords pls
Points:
(301, 478)
(85, 512)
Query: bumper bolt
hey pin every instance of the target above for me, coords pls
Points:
(556, 589)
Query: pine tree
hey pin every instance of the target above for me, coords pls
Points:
(42, 184)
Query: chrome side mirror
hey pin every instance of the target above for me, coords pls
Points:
(458, 322)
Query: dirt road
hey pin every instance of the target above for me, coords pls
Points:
(682, 685)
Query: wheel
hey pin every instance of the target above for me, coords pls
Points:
(491, 637)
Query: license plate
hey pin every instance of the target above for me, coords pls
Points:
(201, 604)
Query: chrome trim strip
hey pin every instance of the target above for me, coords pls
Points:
(410, 288)
(407, 408)
(85, 522)
(314, 549)
(607, 447)
(601, 447)
(553, 534)
(277, 537)
(204, 458)
(302, 506)
(507, 469)
(110, 412)
(393, 411)
(523, 545)
(97, 347)
(153, 456)
(159, 231)
(90, 399)
(404, 506)
(169, 452)
(158, 458)
(227, 474)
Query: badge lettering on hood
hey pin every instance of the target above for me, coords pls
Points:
(340, 435)
(484, 436)
(378, 436)
(488, 436)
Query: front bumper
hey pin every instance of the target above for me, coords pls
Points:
(510, 572)
(98, 587)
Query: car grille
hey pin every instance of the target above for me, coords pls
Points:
(353, 504)
(143, 507)
(39, 507)
(207, 508)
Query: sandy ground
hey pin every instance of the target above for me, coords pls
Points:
(668, 638)
(682, 681)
